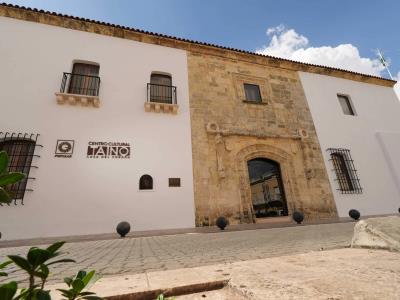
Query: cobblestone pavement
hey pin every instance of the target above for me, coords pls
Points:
(138, 255)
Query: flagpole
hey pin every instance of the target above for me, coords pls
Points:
(383, 61)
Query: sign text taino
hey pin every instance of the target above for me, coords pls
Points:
(108, 150)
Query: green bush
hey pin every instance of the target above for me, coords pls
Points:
(77, 284)
(7, 178)
(36, 264)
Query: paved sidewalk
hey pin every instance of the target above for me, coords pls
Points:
(268, 224)
(334, 274)
(145, 254)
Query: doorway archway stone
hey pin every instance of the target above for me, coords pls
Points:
(277, 154)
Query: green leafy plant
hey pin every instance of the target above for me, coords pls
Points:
(8, 291)
(77, 284)
(2, 266)
(7, 178)
(162, 297)
(36, 264)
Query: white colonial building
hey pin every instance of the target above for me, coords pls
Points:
(102, 120)
(97, 150)
(358, 128)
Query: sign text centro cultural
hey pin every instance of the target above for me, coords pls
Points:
(108, 150)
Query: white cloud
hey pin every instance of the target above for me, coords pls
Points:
(287, 43)
(397, 86)
(277, 29)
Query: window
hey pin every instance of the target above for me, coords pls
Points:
(345, 103)
(84, 80)
(161, 89)
(161, 79)
(20, 153)
(174, 182)
(146, 182)
(346, 174)
(252, 92)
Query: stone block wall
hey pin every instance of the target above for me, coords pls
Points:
(227, 131)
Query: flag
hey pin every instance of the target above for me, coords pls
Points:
(382, 59)
(384, 63)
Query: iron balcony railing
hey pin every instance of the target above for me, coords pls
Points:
(161, 93)
(80, 84)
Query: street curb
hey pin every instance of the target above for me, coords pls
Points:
(173, 291)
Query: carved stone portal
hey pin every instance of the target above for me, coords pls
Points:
(220, 147)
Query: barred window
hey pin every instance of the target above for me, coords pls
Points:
(20, 153)
(346, 174)
(161, 89)
(146, 182)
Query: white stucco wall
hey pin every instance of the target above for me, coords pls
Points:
(88, 196)
(373, 137)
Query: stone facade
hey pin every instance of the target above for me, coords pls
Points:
(227, 131)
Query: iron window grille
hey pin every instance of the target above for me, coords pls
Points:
(20, 149)
(160, 93)
(346, 173)
(146, 182)
(79, 84)
(160, 89)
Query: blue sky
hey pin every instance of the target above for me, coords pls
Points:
(340, 33)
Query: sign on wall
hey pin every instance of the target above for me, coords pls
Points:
(64, 148)
(108, 150)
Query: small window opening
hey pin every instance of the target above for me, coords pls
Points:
(146, 182)
(252, 92)
(345, 103)
(174, 182)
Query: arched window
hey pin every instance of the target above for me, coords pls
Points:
(84, 79)
(146, 182)
(161, 89)
(161, 79)
(20, 153)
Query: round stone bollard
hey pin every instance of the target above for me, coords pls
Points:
(123, 228)
(221, 222)
(298, 217)
(354, 214)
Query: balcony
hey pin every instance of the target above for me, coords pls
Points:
(161, 98)
(79, 89)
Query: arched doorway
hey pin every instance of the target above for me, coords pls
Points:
(267, 193)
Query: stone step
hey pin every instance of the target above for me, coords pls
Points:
(378, 233)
